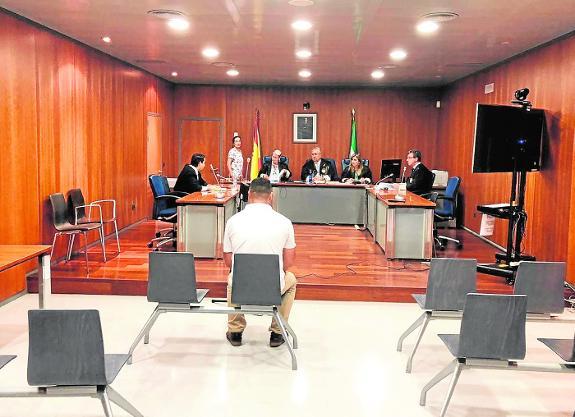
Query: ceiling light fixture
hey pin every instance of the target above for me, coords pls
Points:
(233, 72)
(377, 74)
(427, 26)
(179, 24)
(304, 73)
(210, 52)
(301, 25)
(303, 53)
(300, 3)
(174, 74)
(398, 54)
(107, 39)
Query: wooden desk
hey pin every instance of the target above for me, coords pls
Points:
(330, 203)
(13, 255)
(404, 230)
(201, 221)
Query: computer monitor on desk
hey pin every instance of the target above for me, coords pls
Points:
(390, 168)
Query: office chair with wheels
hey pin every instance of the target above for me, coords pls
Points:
(164, 209)
(345, 163)
(447, 211)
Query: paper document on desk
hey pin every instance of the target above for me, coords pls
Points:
(487, 225)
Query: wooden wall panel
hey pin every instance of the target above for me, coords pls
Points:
(548, 73)
(390, 121)
(71, 117)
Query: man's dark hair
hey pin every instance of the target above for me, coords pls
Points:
(261, 186)
(416, 154)
(197, 158)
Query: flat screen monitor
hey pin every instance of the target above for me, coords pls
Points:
(508, 137)
(390, 167)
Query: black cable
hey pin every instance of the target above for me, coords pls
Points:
(405, 266)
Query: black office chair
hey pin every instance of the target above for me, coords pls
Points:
(164, 209)
(447, 211)
(283, 159)
(345, 163)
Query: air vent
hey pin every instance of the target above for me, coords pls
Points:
(221, 64)
(165, 13)
(150, 61)
(440, 17)
(300, 3)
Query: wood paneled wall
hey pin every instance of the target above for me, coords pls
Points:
(71, 117)
(550, 203)
(390, 121)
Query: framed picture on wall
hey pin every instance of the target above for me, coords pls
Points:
(305, 127)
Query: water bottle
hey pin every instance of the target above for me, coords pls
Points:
(309, 179)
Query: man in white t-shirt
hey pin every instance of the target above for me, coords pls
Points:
(258, 229)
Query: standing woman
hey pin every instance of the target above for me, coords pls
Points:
(357, 171)
(235, 158)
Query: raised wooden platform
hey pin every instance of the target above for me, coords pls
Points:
(332, 263)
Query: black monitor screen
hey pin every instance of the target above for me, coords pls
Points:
(390, 167)
(508, 137)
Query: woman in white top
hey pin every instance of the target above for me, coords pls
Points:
(236, 159)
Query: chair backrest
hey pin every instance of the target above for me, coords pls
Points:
(493, 327)
(59, 210)
(172, 278)
(449, 204)
(283, 159)
(448, 283)
(76, 199)
(66, 348)
(345, 163)
(542, 283)
(256, 280)
(333, 168)
(159, 186)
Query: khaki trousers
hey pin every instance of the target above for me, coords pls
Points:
(237, 322)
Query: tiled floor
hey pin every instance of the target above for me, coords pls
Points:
(348, 366)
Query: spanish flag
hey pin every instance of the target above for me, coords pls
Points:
(257, 149)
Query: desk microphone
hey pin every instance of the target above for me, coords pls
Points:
(403, 175)
(384, 178)
(247, 167)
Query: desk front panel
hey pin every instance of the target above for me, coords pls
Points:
(321, 204)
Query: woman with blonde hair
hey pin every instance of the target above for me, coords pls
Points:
(357, 172)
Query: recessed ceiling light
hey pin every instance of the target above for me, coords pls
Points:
(210, 52)
(301, 25)
(178, 23)
(398, 54)
(304, 73)
(440, 17)
(233, 72)
(174, 74)
(303, 53)
(107, 39)
(377, 74)
(427, 26)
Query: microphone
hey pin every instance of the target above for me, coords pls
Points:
(247, 166)
(403, 175)
(384, 178)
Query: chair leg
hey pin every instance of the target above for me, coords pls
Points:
(292, 333)
(106, 403)
(280, 322)
(70, 247)
(86, 252)
(452, 384)
(53, 244)
(409, 330)
(444, 373)
(145, 332)
(419, 336)
(101, 233)
(117, 238)
(121, 402)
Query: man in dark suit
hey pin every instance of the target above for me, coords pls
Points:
(421, 179)
(320, 169)
(190, 179)
(275, 171)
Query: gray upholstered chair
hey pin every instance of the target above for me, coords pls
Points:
(5, 360)
(448, 283)
(66, 359)
(255, 290)
(542, 282)
(492, 336)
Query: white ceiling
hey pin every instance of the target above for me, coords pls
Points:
(349, 39)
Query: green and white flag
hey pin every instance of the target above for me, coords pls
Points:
(353, 136)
